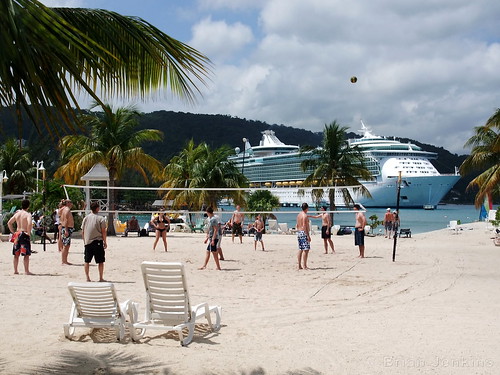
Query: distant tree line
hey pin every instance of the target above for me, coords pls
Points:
(216, 131)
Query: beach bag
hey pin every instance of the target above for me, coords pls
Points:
(143, 233)
(345, 231)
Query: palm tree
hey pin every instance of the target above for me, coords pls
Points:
(112, 141)
(202, 167)
(335, 164)
(263, 200)
(484, 157)
(50, 54)
(17, 163)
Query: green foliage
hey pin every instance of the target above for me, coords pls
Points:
(54, 192)
(496, 222)
(263, 200)
(16, 161)
(335, 163)
(374, 222)
(51, 54)
(485, 158)
(6, 218)
(202, 167)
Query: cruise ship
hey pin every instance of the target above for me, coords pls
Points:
(276, 166)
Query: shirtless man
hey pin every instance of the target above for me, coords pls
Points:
(22, 241)
(67, 227)
(237, 224)
(326, 229)
(359, 231)
(303, 237)
(259, 227)
(388, 223)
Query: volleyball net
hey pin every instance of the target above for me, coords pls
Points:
(144, 202)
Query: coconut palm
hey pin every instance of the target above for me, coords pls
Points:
(113, 141)
(263, 200)
(16, 161)
(485, 158)
(335, 163)
(202, 167)
(51, 54)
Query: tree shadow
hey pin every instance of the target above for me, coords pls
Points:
(112, 362)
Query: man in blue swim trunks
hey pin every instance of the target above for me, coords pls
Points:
(303, 237)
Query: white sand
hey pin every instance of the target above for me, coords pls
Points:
(435, 310)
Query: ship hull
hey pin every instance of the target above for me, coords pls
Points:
(416, 192)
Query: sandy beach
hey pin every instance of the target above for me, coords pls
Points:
(433, 311)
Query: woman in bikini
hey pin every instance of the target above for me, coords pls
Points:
(161, 224)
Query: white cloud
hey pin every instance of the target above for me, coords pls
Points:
(427, 70)
(219, 39)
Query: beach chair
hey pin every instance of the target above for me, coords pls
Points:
(200, 225)
(168, 307)
(453, 226)
(273, 227)
(405, 232)
(95, 305)
(283, 228)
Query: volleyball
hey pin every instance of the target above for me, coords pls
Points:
(354, 79)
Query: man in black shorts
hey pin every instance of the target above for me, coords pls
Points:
(94, 238)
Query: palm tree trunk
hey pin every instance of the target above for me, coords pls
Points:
(331, 197)
(111, 207)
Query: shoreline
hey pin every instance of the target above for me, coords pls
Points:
(345, 315)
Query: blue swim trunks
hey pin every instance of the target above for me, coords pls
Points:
(303, 242)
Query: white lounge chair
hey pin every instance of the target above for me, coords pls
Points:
(283, 228)
(453, 226)
(167, 303)
(95, 305)
(273, 227)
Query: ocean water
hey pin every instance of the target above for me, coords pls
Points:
(418, 220)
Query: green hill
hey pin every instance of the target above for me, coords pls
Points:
(216, 130)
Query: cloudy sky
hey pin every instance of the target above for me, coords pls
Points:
(426, 69)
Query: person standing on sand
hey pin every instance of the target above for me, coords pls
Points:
(94, 239)
(61, 205)
(388, 223)
(21, 237)
(359, 230)
(259, 228)
(303, 237)
(67, 228)
(212, 239)
(237, 224)
(161, 224)
(219, 242)
(326, 229)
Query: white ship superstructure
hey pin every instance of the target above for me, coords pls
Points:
(275, 165)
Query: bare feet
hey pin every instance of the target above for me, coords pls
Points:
(67, 263)
(29, 273)
(102, 281)
(202, 268)
(88, 280)
(218, 269)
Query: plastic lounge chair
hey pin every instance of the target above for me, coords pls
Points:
(273, 226)
(453, 226)
(405, 232)
(283, 228)
(200, 225)
(95, 305)
(168, 307)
